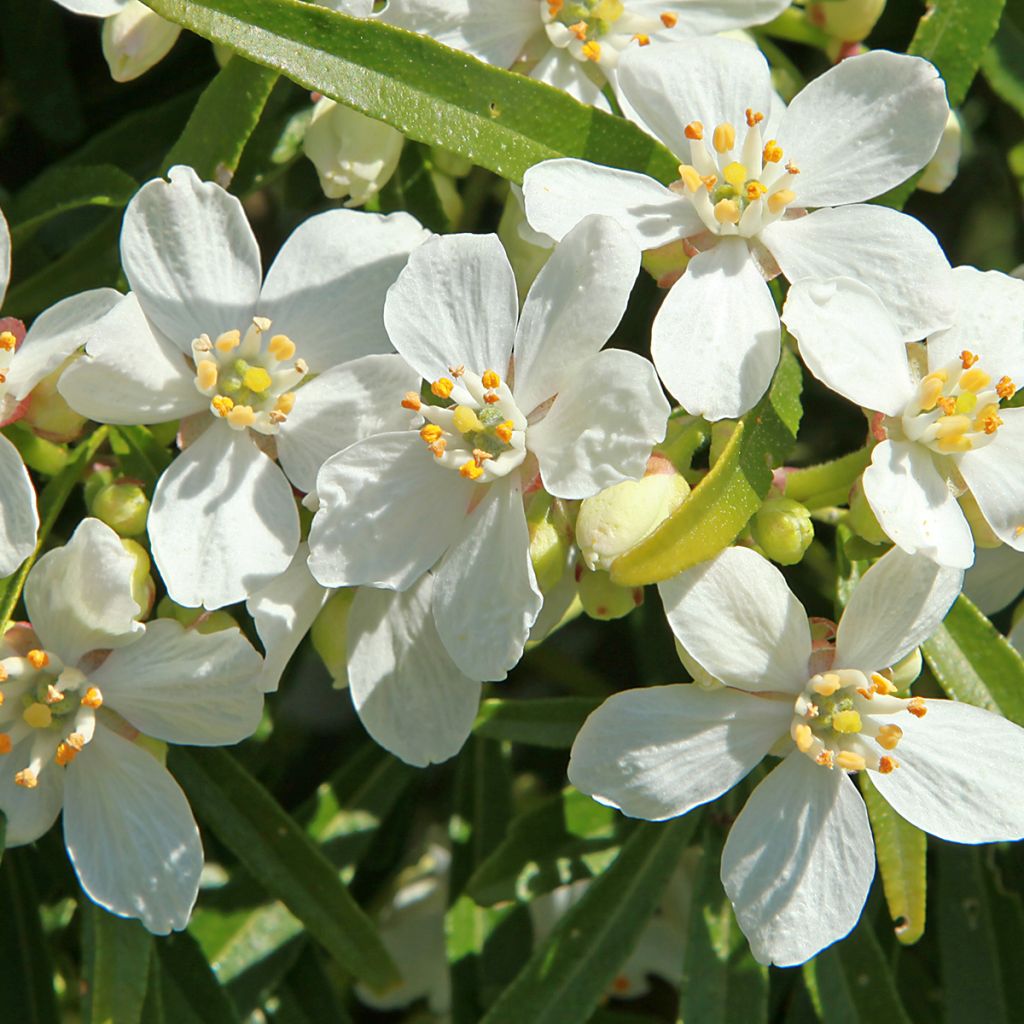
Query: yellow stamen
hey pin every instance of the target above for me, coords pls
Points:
(555, 7)
(727, 211)
(951, 426)
(851, 762)
(442, 388)
(947, 404)
(953, 445)
(8, 342)
(466, 420)
(480, 456)
(889, 736)
(222, 405)
(694, 131)
(75, 740)
(65, 754)
(457, 371)
(281, 347)
(887, 764)
(988, 419)
(709, 180)
(792, 167)
(882, 685)
(285, 403)
(967, 359)
(206, 374)
(975, 379)
(37, 716)
(772, 153)
(26, 778)
(490, 379)
(257, 379)
(53, 695)
(669, 20)
(504, 431)
(917, 707)
(470, 470)
(642, 39)
(438, 448)
(241, 416)
(228, 341)
(93, 698)
(778, 201)
(826, 759)
(592, 51)
(431, 433)
(827, 685)
(411, 401)
(5, 743)
(931, 390)
(38, 659)
(847, 722)
(1005, 388)
(753, 117)
(803, 737)
(755, 190)
(690, 177)
(735, 174)
(579, 30)
(723, 139)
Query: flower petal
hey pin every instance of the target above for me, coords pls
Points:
(587, 441)
(864, 126)
(573, 307)
(19, 521)
(881, 248)
(79, 597)
(995, 579)
(558, 194)
(455, 303)
(191, 258)
(994, 476)
(387, 513)
(94, 8)
(715, 340)
(914, 505)
(348, 403)
(409, 694)
(563, 71)
(5, 257)
(850, 342)
(708, 17)
(130, 834)
(798, 862)
(326, 287)
(130, 372)
(30, 813)
(223, 520)
(737, 618)
(959, 774)
(660, 751)
(897, 605)
(486, 597)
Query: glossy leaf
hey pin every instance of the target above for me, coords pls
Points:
(1003, 64)
(552, 722)
(116, 959)
(189, 989)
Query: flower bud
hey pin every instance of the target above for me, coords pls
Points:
(698, 673)
(904, 672)
(861, 518)
(666, 263)
(123, 506)
(143, 587)
(98, 478)
(849, 20)
(48, 415)
(620, 517)
(198, 619)
(984, 535)
(329, 634)
(354, 155)
(940, 172)
(135, 39)
(550, 537)
(455, 165)
(602, 599)
(783, 530)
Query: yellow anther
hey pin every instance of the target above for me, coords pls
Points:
(967, 359)
(812, 711)
(579, 30)
(206, 374)
(53, 695)
(491, 398)
(975, 379)
(470, 470)
(723, 139)
(281, 347)
(442, 388)
(480, 456)
(38, 659)
(3, 679)
(241, 416)
(1005, 388)
(951, 426)
(411, 401)
(8, 342)
(826, 685)
(504, 431)
(694, 131)
(690, 177)
(753, 117)
(847, 722)
(947, 404)
(285, 403)
(466, 420)
(222, 405)
(438, 448)
(5, 743)
(772, 152)
(228, 341)
(642, 39)
(917, 707)
(931, 391)
(755, 190)
(779, 200)
(65, 754)
(37, 716)
(988, 419)
(75, 740)
(887, 764)
(457, 371)
(966, 401)
(727, 211)
(3, 697)
(882, 685)
(26, 778)
(669, 20)
(490, 379)
(93, 698)
(709, 180)
(954, 445)
(889, 736)
(555, 7)
(851, 762)
(592, 51)
(735, 174)
(257, 379)
(826, 758)
(431, 433)
(803, 737)
(792, 167)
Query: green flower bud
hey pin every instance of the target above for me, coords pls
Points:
(123, 506)
(550, 537)
(329, 634)
(602, 599)
(984, 536)
(666, 263)
(49, 415)
(783, 530)
(848, 20)
(453, 164)
(861, 518)
(199, 619)
(99, 478)
(143, 587)
(906, 671)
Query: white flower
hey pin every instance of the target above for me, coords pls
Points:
(748, 173)
(799, 859)
(945, 431)
(573, 45)
(518, 405)
(79, 685)
(995, 579)
(943, 168)
(199, 336)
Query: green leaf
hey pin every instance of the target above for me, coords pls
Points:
(142, 455)
(551, 722)
(1003, 64)
(974, 663)
(721, 504)
(499, 120)
(275, 850)
(901, 850)
(412, 189)
(954, 35)
(190, 991)
(569, 973)
(116, 953)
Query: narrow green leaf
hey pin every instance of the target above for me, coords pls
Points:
(275, 850)
(721, 504)
(901, 852)
(115, 963)
(190, 992)
(1003, 64)
(551, 722)
(499, 120)
(412, 189)
(142, 455)
(974, 663)
(568, 974)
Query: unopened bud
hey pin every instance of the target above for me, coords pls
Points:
(602, 599)
(135, 39)
(455, 165)
(98, 478)
(940, 172)
(698, 673)
(48, 415)
(329, 634)
(620, 517)
(198, 619)
(905, 671)
(783, 530)
(984, 535)
(550, 538)
(143, 587)
(848, 20)
(123, 506)
(861, 518)
(666, 263)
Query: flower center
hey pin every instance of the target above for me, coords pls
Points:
(250, 380)
(53, 703)
(736, 189)
(956, 408)
(478, 429)
(598, 30)
(843, 719)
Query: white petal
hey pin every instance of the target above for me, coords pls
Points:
(19, 521)
(283, 612)
(454, 304)
(485, 595)
(79, 597)
(94, 8)
(326, 287)
(573, 307)
(850, 342)
(715, 340)
(799, 861)
(660, 751)
(189, 254)
(182, 686)
(387, 513)
(995, 476)
(563, 71)
(409, 694)
(737, 618)
(30, 812)
(588, 440)
(881, 248)
(959, 774)
(864, 126)
(708, 80)
(346, 404)
(560, 193)
(131, 835)
(5, 257)
(995, 579)
(989, 322)
(708, 17)
(914, 505)
(896, 606)
(130, 372)
(223, 520)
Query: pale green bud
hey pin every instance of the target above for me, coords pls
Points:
(123, 506)
(848, 20)
(861, 518)
(453, 164)
(984, 536)
(602, 599)
(783, 530)
(904, 672)
(143, 587)
(95, 482)
(198, 619)
(49, 415)
(329, 634)
(700, 675)
(135, 39)
(550, 537)
(940, 172)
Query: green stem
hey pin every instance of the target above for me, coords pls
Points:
(828, 483)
